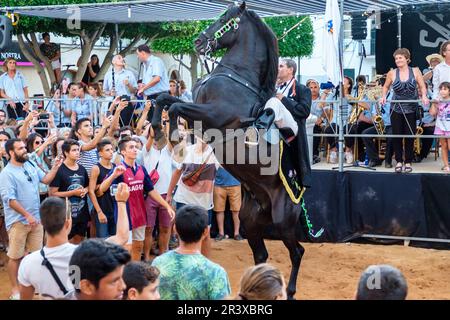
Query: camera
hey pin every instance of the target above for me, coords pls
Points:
(113, 189)
(326, 86)
(44, 116)
(125, 97)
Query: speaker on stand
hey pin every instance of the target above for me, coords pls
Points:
(6, 30)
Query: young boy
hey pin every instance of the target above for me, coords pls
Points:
(142, 281)
(71, 181)
(137, 178)
(103, 202)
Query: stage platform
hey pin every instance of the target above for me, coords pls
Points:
(428, 165)
(360, 201)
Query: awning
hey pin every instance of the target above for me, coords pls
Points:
(182, 10)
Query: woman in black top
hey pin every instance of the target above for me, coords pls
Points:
(406, 82)
(93, 68)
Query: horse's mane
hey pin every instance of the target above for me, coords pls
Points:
(268, 79)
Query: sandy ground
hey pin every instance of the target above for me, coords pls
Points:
(331, 271)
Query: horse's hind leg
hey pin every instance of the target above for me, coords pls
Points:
(252, 220)
(286, 230)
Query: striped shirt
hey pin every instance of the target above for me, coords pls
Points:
(88, 158)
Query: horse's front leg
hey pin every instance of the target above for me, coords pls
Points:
(156, 121)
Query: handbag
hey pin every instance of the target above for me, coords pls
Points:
(191, 178)
(154, 175)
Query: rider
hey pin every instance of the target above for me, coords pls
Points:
(289, 109)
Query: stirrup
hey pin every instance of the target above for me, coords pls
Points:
(251, 136)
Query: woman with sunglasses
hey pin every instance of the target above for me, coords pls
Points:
(36, 147)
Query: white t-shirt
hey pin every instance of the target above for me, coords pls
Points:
(164, 157)
(33, 273)
(201, 193)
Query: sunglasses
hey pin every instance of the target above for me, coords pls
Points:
(28, 175)
(38, 142)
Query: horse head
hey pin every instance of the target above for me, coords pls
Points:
(222, 33)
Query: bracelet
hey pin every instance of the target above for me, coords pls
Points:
(120, 201)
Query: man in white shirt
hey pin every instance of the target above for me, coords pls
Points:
(442, 71)
(121, 82)
(56, 219)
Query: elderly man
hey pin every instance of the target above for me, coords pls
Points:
(121, 82)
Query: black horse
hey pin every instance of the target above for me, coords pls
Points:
(226, 99)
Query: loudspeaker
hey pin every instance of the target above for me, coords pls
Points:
(359, 27)
(6, 31)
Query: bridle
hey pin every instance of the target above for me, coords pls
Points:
(212, 39)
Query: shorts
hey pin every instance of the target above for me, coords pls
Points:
(154, 209)
(79, 228)
(24, 239)
(56, 65)
(220, 198)
(138, 234)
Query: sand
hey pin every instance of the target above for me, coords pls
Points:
(331, 271)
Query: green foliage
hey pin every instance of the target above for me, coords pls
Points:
(29, 24)
(298, 42)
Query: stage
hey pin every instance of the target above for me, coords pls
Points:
(382, 202)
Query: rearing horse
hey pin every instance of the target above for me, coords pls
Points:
(240, 84)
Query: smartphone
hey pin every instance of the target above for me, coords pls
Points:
(125, 97)
(108, 114)
(34, 107)
(113, 189)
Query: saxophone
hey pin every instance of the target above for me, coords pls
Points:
(378, 121)
(417, 147)
(357, 110)
(374, 93)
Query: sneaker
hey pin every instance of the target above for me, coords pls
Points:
(220, 237)
(348, 157)
(238, 237)
(333, 157)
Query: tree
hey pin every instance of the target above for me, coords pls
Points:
(89, 34)
(180, 42)
(297, 43)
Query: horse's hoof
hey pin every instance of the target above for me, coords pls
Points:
(251, 136)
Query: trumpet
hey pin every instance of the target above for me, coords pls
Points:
(417, 147)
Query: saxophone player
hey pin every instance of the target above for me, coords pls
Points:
(348, 129)
(369, 142)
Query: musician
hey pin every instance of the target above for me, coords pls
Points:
(433, 60)
(333, 128)
(291, 108)
(364, 122)
(120, 82)
(369, 142)
(321, 111)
